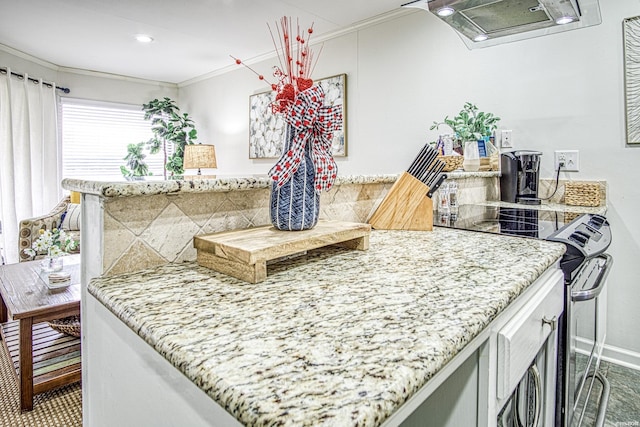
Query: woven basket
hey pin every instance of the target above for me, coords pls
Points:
(570, 216)
(451, 162)
(67, 325)
(582, 193)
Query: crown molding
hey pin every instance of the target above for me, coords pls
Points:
(378, 19)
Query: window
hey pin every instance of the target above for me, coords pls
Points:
(95, 136)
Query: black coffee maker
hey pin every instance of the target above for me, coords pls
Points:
(520, 172)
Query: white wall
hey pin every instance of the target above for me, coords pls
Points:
(564, 91)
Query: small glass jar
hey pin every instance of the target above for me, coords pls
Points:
(443, 219)
(453, 195)
(443, 199)
(447, 148)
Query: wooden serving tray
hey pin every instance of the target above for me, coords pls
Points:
(244, 253)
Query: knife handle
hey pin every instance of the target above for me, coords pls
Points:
(436, 185)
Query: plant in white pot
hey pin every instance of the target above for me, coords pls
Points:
(470, 126)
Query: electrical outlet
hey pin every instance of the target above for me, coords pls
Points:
(506, 139)
(567, 160)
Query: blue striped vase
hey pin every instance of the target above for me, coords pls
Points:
(296, 205)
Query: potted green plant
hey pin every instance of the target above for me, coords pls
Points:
(168, 127)
(470, 124)
(135, 167)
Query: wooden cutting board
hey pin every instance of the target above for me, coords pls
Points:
(244, 253)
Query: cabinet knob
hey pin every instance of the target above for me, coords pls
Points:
(553, 322)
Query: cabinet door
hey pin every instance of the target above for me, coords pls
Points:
(521, 339)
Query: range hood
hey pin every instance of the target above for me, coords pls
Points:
(483, 23)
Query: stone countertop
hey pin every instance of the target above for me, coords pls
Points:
(202, 184)
(333, 337)
(194, 184)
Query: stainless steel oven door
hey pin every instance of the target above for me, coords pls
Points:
(586, 322)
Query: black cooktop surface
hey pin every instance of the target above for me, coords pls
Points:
(515, 221)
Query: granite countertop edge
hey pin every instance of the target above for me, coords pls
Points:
(195, 184)
(402, 316)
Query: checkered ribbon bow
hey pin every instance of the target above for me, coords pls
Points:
(313, 123)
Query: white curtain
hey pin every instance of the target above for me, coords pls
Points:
(30, 155)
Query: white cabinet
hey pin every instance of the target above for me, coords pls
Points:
(522, 338)
(527, 345)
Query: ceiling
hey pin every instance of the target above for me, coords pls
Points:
(191, 37)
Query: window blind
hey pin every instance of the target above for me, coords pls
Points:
(95, 136)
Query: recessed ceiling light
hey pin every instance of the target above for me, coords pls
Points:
(565, 20)
(445, 11)
(480, 37)
(143, 38)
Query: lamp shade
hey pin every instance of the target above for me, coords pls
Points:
(197, 156)
(74, 197)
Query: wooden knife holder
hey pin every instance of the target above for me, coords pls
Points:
(405, 207)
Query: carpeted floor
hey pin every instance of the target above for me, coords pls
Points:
(61, 407)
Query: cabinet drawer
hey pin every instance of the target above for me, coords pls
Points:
(523, 336)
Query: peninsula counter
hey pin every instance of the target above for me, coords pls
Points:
(333, 337)
(137, 246)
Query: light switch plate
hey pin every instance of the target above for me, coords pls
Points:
(506, 139)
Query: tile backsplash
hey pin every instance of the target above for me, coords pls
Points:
(148, 230)
(145, 231)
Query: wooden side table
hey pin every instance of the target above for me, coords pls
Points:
(44, 359)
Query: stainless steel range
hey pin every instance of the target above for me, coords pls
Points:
(581, 327)
(585, 266)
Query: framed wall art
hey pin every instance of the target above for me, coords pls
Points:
(267, 130)
(631, 39)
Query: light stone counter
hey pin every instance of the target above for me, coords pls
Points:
(334, 337)
(196, 184)
(202, 184)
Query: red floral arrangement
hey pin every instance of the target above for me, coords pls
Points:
(302, 103)
(294, 72)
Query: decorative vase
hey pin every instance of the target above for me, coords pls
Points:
(471, 161)
(295, 205)
(51, 263)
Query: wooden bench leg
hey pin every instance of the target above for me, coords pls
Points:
(252, 273)
(26, 364)
(360, 243)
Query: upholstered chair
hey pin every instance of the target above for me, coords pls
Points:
(65, 215)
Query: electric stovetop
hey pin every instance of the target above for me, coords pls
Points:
(515, 221)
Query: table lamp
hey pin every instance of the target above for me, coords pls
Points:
(74, 197)
(197, 156)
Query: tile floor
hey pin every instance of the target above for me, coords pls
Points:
(624, 398)
(623, 409)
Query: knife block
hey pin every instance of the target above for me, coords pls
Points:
(405, 207)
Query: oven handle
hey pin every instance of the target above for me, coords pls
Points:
(537, 389)
(600, 282)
